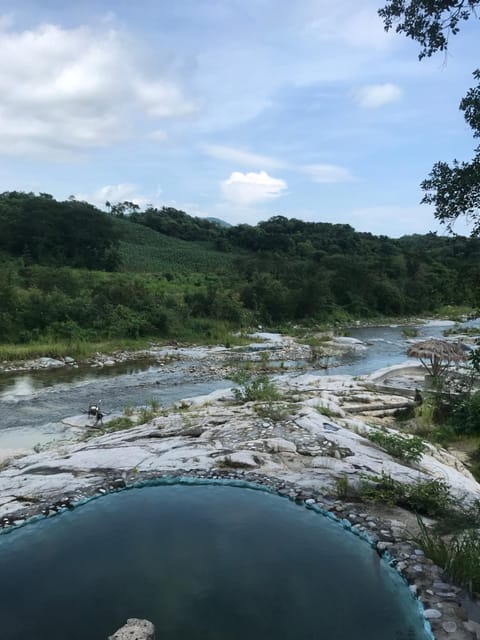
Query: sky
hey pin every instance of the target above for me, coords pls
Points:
(235, 109)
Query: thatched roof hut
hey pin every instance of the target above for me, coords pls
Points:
(437, 355)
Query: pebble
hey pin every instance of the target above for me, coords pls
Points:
(432, 614)
(449, 626)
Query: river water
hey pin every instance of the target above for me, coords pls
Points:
(33, 405)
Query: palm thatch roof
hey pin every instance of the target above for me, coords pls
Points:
(437, 355)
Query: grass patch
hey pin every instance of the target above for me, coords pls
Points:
(430, 498)
(326, 411)
(120, 423)
(406, 448)
(274, 411)
(459, 557)
(255, 389)
(409, 332)
(59, 349)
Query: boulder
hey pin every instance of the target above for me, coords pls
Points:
(135, 629)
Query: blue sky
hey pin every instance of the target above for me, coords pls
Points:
(235, 109)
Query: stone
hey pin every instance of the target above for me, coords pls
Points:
(449, 626)
(135, 629)
(278, 445)
(49, 363)
(239, 459)
(432, 614)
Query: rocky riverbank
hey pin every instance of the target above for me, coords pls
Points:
(277, 346)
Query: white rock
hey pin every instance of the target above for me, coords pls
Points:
(278, 445)
(432, 614)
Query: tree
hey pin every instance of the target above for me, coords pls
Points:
(454, 189)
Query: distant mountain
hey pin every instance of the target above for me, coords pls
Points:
(221, 223)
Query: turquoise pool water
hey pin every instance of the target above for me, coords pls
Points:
(203, 562)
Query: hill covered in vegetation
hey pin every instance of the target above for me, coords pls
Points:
(72, 272)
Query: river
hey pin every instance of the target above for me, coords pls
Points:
(33, 405)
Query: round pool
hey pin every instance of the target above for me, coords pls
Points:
(202, 562)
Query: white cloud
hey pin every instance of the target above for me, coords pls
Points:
(247, 188)
(242, 157)
(122, 192)
(327, 173)
(322, 173)
(373, 96)
(71, 89)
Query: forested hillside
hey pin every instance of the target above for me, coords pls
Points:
(72, 272)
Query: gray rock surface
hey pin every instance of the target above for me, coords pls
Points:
(135, 629)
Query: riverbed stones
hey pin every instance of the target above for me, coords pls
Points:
(135, 629)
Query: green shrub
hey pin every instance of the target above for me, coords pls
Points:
(409, 449)
(145, 415)
(260, 389)
(430, 498)
(459, 558)
(466, 416)
(326, 411)
(120, 423)
(274, 411)
(343, 489)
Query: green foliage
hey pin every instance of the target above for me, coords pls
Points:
(452, 189)
(177, 284)
(409, 332)
(406, 448)
(257, 389)
(128, 410)
(430, 498)
(459, 557)
(343, 489)
(326, 411)
(474, 466)
(466, 415)
(154, 405)
(145, 415)
(120, 423)
(56, 233)
(274, 411)
(429, 22)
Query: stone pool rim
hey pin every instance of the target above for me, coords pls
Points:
(433, 594)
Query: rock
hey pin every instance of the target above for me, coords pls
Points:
(241, 459)
(431, 614)
(68, 360)
(278, 445)
(49, 363)
(449, 626)
(135, 629)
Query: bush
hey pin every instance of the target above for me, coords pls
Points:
(466, 416)
(430, 498)
(120, 423)
(260, 389)
(409, 449)
(459, 558)
(274, 411)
